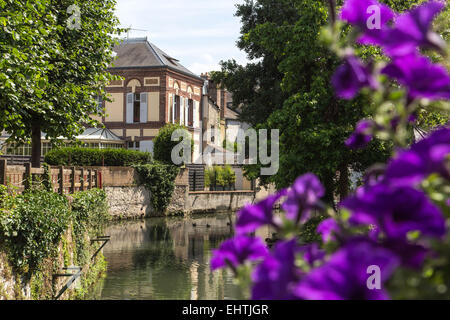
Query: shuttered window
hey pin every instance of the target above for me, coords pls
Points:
(191, 113)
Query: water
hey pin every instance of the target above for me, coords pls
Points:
(166, 258)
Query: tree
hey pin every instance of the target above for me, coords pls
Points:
(163, 144)
(58, 70)
(297, 97)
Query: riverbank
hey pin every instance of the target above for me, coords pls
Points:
(44, 237)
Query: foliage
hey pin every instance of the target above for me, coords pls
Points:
(96, 157)
(163, 144)
(89, 215)
(289, 89)
(33, 226)
(391, 237)
(159, 179)
(220, 176)
(50, 74)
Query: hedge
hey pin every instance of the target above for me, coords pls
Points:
(96, 157)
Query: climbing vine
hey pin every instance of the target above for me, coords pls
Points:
(159, 179)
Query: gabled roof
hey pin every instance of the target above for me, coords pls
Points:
(231, 114)
(140, 53)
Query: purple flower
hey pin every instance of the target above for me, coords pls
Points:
(327, 228)
(303, 197)
(362, 135)
(276, 276)
(251, 217)
(358, 13)
(312, 253)
(412, 30)
(425, 157)
(345, 275)
(236, 251)
(422, 78)
(395, 211)
(351, 77)
(411, 255)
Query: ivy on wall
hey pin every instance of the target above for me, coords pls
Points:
(40, 231)
(159, 179)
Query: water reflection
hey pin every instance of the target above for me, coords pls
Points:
(167, 259)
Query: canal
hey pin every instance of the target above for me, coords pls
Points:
(166, 258)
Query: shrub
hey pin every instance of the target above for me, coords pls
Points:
(163, 144)
(159, 179)
(32, 229)
(96, 157)
(229, 176)
(220, 176)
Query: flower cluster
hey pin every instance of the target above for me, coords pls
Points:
(390, 222)
(400, 36)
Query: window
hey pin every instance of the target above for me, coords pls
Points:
(133, 145)
(137, 108)
(191, 113)
(177, 109)
(99, 104)
(212, 134)
(46, 147)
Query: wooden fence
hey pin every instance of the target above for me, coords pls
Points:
(64, 180)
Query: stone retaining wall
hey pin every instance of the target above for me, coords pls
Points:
(127, 200)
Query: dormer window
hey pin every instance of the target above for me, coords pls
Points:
(172, 60)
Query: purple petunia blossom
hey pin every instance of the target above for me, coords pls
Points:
(327, 228)
(360, 12)
(425, 157)
(303, 197)
(395, 211)
(351, 77)
(251, 217)
(412, 30)
(362, 135)
(411, 255)
(236, 251)
(345, 275)
(275, 277)
(422, 78)
(312, 253)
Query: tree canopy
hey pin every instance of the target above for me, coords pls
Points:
(288, 88)
(51, 70)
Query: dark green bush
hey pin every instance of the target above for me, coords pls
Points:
(96, 157)
(159, 179)
(220, 176)
(33, 227)
(163, 144)
(33, 224)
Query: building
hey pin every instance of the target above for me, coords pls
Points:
(98, 138)
(155, 90)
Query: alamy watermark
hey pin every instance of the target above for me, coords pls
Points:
(74, 21)
(250, 147)
(374, 20)
(374, 280)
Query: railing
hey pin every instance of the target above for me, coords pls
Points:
(63, 180)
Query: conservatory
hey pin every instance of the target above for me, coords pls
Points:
(97, 138)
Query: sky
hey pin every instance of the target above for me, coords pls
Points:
(199, 33)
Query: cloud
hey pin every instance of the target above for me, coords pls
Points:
(200, 33)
